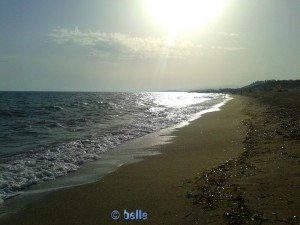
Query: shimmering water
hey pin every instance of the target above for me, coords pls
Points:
(44, 135)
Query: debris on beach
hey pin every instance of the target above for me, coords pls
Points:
(261, 186)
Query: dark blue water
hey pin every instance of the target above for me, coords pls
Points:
(44, 135)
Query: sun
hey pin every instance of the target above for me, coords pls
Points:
(183, 15)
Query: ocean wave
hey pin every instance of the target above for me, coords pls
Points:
(81, 134)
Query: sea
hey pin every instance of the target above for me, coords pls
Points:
(47, 135)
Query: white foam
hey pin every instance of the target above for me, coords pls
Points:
(18, 174)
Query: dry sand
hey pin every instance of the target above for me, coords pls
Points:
(262, 185)
(158, 185)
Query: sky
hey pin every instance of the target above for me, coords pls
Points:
(144, 45)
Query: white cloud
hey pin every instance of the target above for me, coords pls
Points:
(228, 34)
(124, 46)
(233, 35)
(228, 48)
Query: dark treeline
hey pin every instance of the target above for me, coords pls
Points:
(258, 86)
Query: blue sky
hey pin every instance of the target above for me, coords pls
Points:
(118, 45)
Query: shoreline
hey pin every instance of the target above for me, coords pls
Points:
(126, 153)
(57, 156)
(132, 151)
(154, 184)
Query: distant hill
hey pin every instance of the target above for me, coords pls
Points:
(272, 85)
(265, 85)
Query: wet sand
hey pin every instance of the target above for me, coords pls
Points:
(157, 185)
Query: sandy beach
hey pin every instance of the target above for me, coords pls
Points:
(156, 185)
(261, 186)
(227, 167)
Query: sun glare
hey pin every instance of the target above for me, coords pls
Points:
(183, 15)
